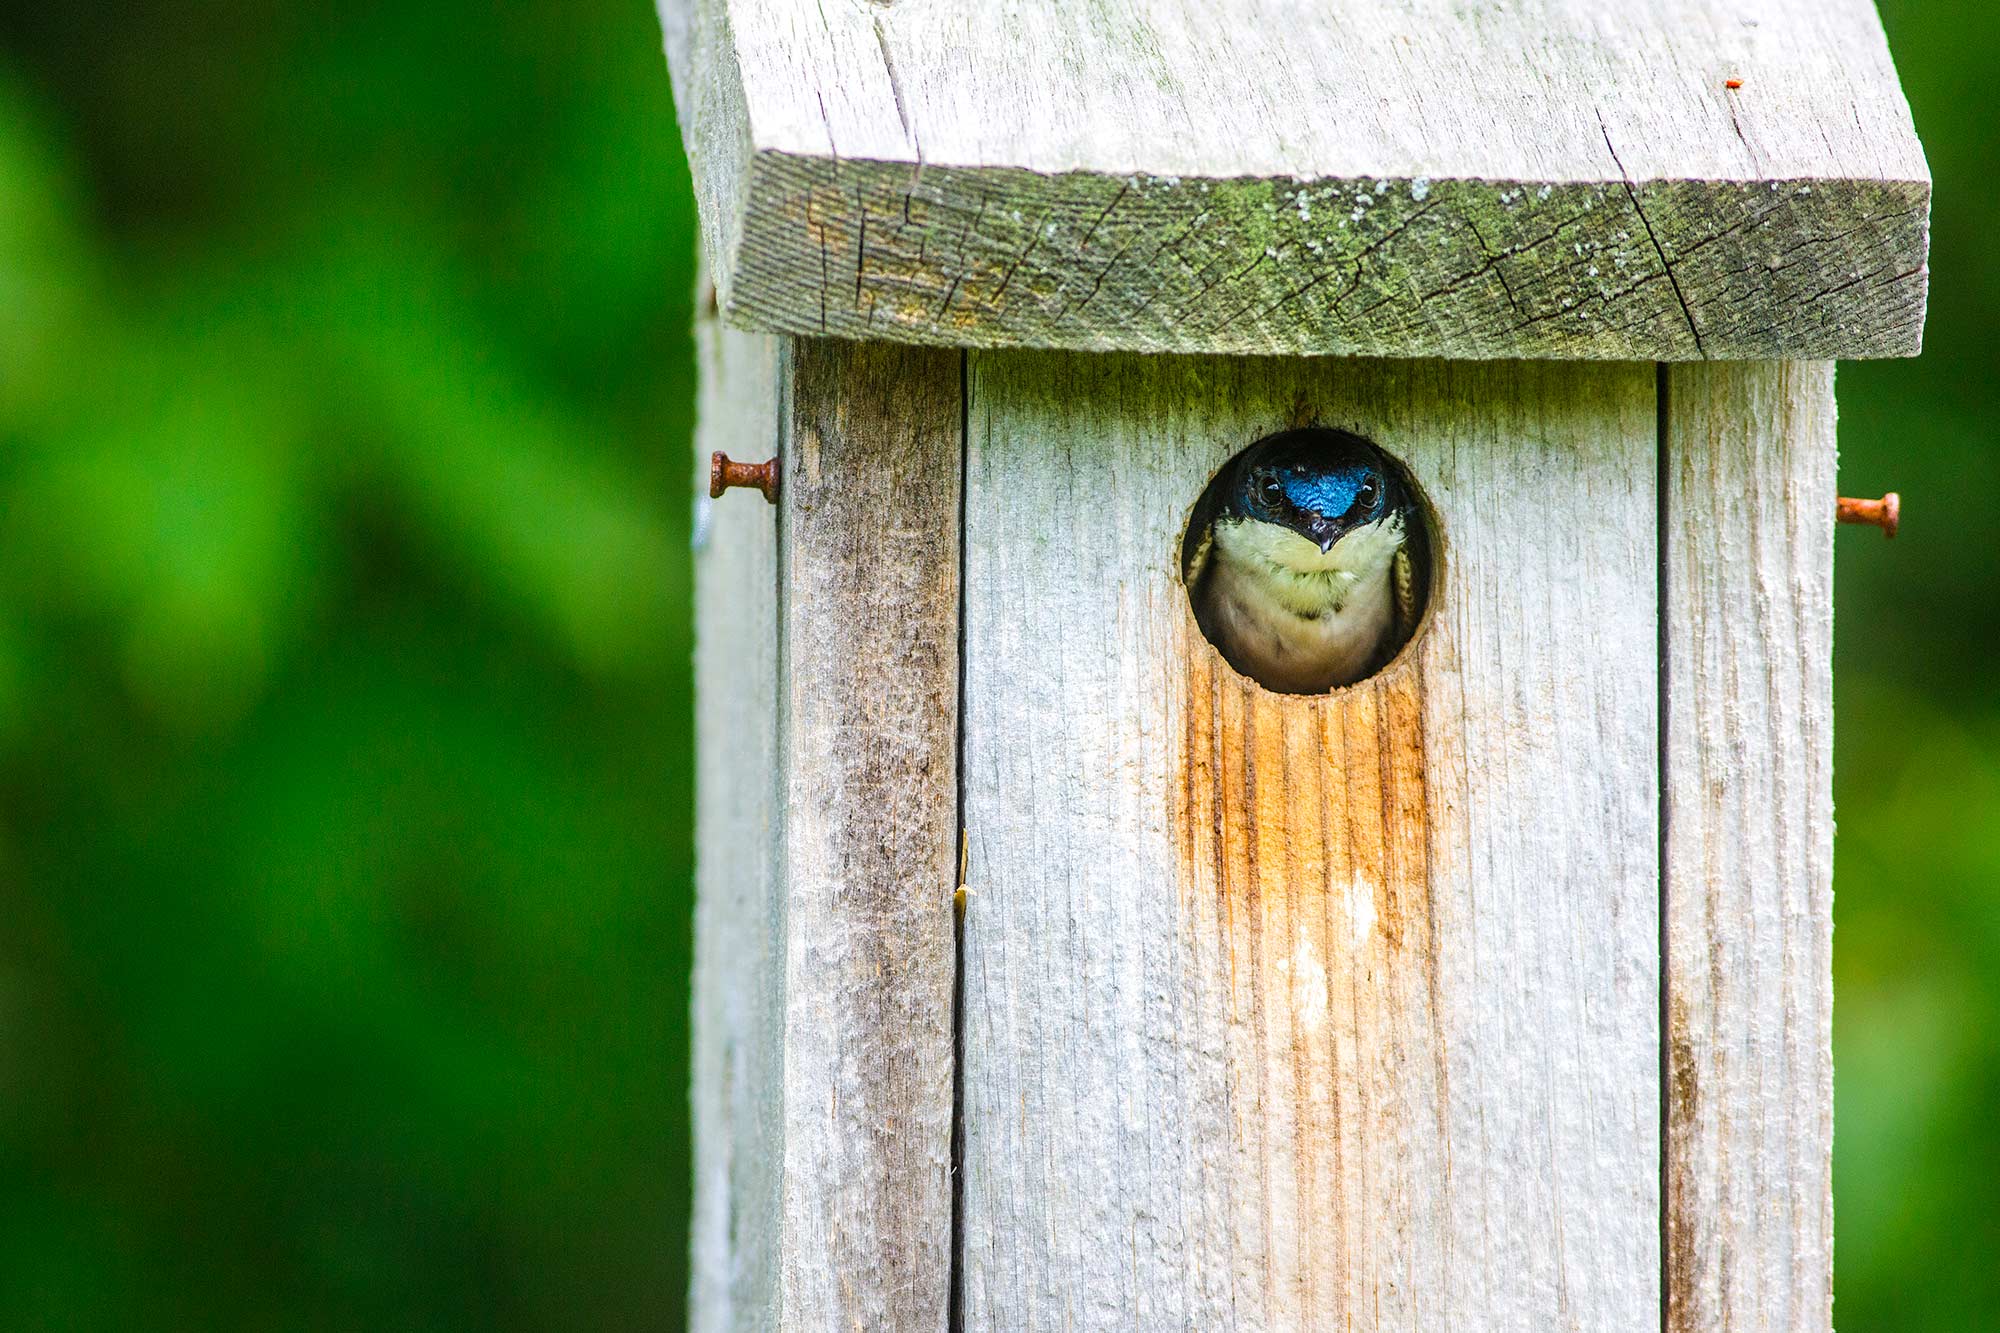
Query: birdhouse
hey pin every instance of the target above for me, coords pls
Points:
(1069, 955)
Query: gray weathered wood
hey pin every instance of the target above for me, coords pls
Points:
(739, 948)
(1749, 836)
(868, 562)
(1554, 178)
(1284, 1012)
(715, 122)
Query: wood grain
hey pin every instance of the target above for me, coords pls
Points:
(868, 563)
(714, 121)
(1286, 1012)
(739, 911)
(1749, 837)
(1555, 178)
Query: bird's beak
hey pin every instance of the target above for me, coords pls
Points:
(1325, 533)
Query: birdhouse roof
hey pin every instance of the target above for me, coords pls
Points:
(1605, 179)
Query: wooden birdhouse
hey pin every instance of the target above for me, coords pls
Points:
(1053, 972)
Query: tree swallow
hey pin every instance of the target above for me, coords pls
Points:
(1303, 559)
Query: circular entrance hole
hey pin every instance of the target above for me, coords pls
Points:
(1309, 560)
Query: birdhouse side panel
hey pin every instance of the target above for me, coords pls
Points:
(739, 911)
(1749, 838)
(827, 666)
(868, 559)
(1305, 1011)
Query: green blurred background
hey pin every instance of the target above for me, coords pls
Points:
(344, 707)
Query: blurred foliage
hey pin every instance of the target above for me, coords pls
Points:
(344, 789)
(344, 737)
(1916, 1028)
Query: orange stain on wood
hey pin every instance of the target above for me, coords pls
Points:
(1303, 829)
(1687, 1304)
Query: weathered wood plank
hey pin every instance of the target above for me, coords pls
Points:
(868, 562)
(1286, 1012)
(739, 948)
(1749, 837)
(714, 121)
(1557, 178)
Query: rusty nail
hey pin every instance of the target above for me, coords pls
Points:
(724, 472)
(1884, 513)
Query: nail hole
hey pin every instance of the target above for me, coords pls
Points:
(1308, 560)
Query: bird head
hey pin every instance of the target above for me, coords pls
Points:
(1308, 490)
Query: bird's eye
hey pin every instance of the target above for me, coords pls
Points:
(1270, 492)
(1369, 492)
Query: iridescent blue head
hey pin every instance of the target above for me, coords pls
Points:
(1317, 482)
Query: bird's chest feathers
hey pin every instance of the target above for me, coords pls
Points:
(1289, 574)
(1290, 608)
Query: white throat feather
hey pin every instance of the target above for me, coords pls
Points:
(1299, 576)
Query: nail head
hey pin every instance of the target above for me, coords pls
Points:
(725, 472)
(1885, 513)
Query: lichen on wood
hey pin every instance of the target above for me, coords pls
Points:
(1404, 178)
